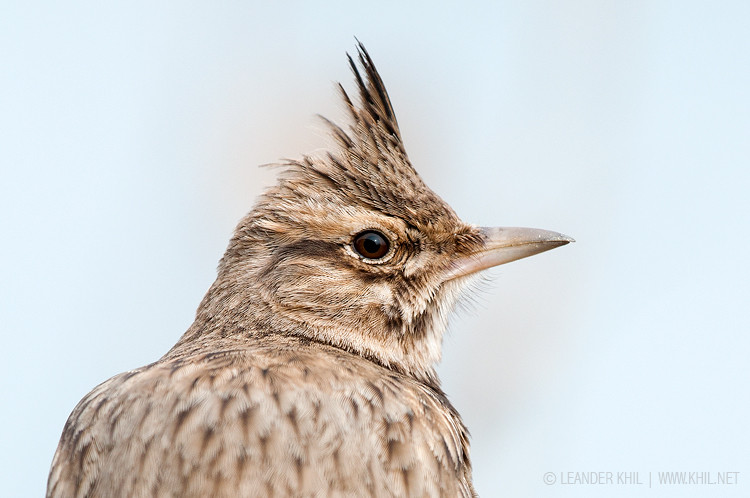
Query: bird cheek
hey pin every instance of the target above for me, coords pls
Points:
(381, 292)
(418, 263)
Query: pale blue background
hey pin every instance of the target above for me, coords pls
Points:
(129, 139)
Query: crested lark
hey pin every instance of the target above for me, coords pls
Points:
(309, 369)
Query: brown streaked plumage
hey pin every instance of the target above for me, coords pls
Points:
(309, 369)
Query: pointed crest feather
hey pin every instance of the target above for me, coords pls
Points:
(370, 165)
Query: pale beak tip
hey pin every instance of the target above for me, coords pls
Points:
(556, 240)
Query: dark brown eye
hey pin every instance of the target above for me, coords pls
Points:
(371, 244)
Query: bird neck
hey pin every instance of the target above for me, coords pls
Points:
(242, 318)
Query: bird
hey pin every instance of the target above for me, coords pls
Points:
(309, 370)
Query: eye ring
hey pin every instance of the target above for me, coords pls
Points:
(371, 244)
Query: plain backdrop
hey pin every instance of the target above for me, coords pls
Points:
(131, 132)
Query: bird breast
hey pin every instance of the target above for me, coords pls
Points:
(308, 416)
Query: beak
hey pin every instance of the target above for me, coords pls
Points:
(505, 244)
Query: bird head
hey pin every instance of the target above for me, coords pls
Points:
(353, 250)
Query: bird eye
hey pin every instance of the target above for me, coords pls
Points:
(371, 244)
